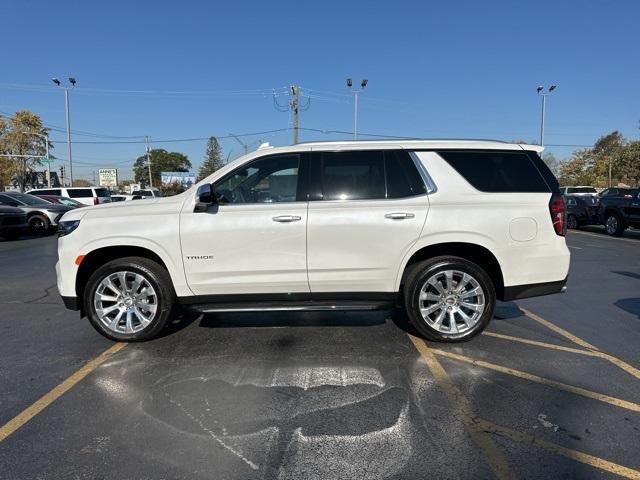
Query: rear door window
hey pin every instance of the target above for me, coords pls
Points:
(357, 175)
(403, 178)
(497, 171)
(102, 192)
(47, 192)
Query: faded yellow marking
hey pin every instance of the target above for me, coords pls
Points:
(558, 330)
(544, 381)
(576, 455)
(490, 450)
(35, 408)
(590, 353)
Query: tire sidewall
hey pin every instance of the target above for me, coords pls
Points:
(155, 275)
(45, 224)
(429, 268)
(619, 227)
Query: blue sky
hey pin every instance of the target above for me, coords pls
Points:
(435, 69)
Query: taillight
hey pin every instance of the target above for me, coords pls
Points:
(96, 201)
(557, 209)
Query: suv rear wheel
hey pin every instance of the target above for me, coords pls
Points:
(129, 299)
(449, 299)
(613, 225)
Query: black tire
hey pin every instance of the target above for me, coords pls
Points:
(613, 225)
(572, 222)
(39, 224)
(157, 277)
(418, 276)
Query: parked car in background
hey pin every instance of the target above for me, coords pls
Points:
(117, 197)
(619, 212)
(146, 193)
(582, 210)
(70, 202)
(42, 216)
(616, 191)
(86, 195)
(13, 222)
(578, 190)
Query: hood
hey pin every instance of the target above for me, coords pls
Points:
(128, 208)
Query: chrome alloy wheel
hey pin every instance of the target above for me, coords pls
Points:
(612, 224)
(125, 302)
(451, 302)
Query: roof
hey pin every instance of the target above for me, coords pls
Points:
(415, 144)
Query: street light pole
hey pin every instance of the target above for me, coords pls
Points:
(355, 104)
(66, 88)
(544, 93)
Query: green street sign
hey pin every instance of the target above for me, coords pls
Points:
(47, 159)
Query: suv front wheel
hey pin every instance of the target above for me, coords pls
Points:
(449, 299)
(129, 299)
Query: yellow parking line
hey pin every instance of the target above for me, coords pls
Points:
(590, 353)
(558, 330)
(544, 381)
(581, 457)
(463, 409)
(35, 408)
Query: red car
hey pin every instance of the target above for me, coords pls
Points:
(60, 200)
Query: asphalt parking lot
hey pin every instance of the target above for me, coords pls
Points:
(551, 390)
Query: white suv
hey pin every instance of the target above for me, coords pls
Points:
(442, 227)
(86, 195)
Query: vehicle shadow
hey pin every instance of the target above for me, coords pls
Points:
(631, 305)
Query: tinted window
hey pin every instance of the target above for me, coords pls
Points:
(403, 178)
(6, 200)
(353, 175)
(26, 199)
(267, 180)
(581, 190)
(571, 201)
(79, 192)
(47, 192)
(102, 192)
(497, 171)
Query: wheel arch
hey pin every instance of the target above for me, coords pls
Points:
(473, 252)
(98, 257)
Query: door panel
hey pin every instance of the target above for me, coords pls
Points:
(242, 249)
(254, 239)
(358, 245)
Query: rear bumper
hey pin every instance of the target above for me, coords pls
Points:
(516, 292)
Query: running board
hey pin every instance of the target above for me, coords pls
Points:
(308, 306)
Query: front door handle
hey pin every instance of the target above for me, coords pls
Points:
(287, 218)
(399, 215)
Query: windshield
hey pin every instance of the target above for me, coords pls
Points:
(69, 201)
(26, 199)
(581, 190)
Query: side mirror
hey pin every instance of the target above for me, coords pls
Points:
(204, 198)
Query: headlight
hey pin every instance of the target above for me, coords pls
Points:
(66, 227)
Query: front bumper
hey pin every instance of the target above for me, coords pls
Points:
(517, 292)
(71, 303)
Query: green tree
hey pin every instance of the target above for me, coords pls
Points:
(161, 161)
(552, 162)
(81, 182)
(22, 134)
(578, 170)
(212, 160)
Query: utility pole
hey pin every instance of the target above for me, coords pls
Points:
(295, 106)
(66, 88)
(295, 103)
(244, 145)
(541, 91)
(363, 84)
(147, 142)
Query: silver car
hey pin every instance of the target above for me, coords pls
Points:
(42, 216)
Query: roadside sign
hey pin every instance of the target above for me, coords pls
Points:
(46, 159)
(108, 177)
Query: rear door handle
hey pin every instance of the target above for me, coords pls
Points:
(287, 218)
(399, 215)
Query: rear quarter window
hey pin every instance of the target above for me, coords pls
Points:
(102, 192)
(498, 171)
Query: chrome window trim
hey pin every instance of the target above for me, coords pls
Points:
(426, 178)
